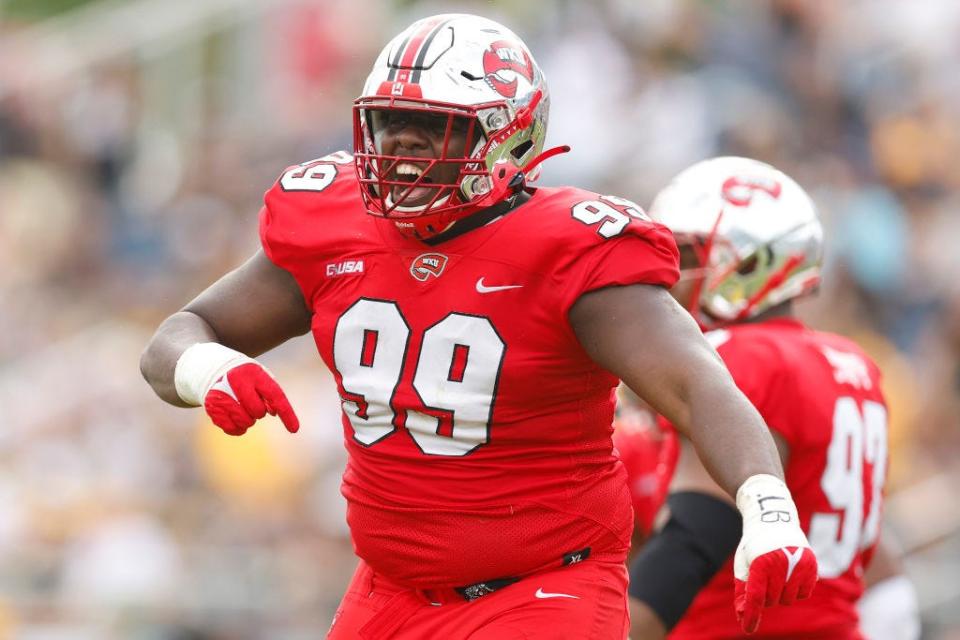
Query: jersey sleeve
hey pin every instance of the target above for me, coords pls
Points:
(275, 249)
(643, 253)
(293, 229)
(277, 234)
(282, 237)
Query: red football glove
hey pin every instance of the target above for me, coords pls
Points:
(774, 563)
(243, 395)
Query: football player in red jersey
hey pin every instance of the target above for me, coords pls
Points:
(476, 329)
(750, 242)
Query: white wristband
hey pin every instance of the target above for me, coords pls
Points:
(200, 366)
(770, 520)
(765, 498)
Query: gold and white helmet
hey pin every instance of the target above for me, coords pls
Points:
(755, 231)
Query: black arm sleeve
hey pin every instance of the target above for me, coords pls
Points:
(685, 554)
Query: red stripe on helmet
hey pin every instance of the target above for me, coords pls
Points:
(415, 42)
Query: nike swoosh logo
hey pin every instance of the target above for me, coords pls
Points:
(543, 594)
(793, 559)
(482, 288)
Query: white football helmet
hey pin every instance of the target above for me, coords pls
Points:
(479, 76)
(755, 231)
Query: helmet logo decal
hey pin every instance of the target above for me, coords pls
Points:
(503, 56)
(428, 264)
(739, 190)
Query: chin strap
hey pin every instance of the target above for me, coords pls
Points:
(546, 155)
(509, 180)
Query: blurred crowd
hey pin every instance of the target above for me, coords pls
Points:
(137, 138)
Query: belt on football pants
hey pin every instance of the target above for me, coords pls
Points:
(480, 589)
(398, 610)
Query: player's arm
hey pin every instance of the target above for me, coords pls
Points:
(701, 533)
(209, 345)
(642, 335)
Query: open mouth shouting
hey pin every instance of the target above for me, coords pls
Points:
(423, 152)
(410, 186)
(414, 184)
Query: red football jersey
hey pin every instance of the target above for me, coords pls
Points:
(478, 429)
(648, 448)
(822, 394)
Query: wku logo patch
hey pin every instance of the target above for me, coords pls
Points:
(427, 265)
(504, 56)
(739, 190)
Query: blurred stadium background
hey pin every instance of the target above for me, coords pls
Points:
(137, 137)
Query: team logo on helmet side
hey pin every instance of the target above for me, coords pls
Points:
(428, 264)
(501, 56)
(739, 190)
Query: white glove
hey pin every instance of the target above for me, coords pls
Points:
(234, 389)
(774, 563)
